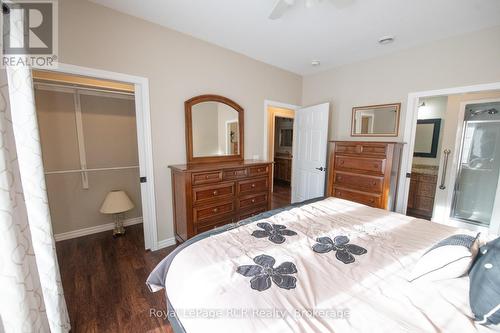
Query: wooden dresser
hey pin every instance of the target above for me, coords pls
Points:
(364, 172)
(209, 195)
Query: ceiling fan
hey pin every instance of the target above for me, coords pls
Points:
(281, 6)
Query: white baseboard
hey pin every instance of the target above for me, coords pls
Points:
(94, 230)
(165, 243)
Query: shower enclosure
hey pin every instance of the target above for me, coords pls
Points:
(477, 178)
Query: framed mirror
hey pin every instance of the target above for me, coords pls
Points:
(214, 129)
(427, 138)
(376, 120)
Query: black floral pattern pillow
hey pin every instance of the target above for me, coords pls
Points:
(264, 272)
(343, 250)
(274, 232)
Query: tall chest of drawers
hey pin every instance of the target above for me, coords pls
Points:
(211, 195)
(364, 172)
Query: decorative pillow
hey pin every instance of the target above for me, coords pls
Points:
(484, 290)
(450, 258)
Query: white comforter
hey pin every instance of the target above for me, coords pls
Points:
(371, 294)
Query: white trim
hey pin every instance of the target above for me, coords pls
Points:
(410, 129)
(144, 141)
(166, 243)
(267, 104)
(94, 230)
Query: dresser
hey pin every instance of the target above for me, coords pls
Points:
(210, 195)
(364, 172)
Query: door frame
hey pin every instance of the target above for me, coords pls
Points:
(267, 129)
(270, 128)
(410, 128)
(144, 140)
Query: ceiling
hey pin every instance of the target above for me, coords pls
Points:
(336, 32)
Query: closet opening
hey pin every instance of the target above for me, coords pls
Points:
(90, 152)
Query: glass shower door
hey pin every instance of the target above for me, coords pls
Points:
(479, 168)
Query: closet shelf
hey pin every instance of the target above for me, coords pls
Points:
(91, 170)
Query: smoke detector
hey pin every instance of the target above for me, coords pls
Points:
(386, 40)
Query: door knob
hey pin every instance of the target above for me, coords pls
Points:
(321, 169)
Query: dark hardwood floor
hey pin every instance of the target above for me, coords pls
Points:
(281, 194)
(104, 283)
(104, 279)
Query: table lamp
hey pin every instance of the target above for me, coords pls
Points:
(117, 202)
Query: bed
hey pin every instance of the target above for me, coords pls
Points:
(327, 265)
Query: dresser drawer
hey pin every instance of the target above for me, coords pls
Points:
(251, 201)
(214, 210)
(207, 193)
(376, 165)
(361, 148)
(259, 170)
(359, 182)
(210, 225)
(235, 173)
(253, 186)
(362, 198)
(207, 177)
(252, 213)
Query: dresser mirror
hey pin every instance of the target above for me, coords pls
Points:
(214, 129)
(376, 120)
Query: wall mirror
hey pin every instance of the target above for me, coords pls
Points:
(427, 138)
(376, 120)
(214, 129)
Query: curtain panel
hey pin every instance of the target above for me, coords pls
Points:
(31, 293)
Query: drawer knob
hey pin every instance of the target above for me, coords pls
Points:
(339, 178)
(372, 200)
(206, 177)
(253, 185)
(374, 183)
(341, 162)
(215, 193)
(215, 210)
(375, 165)
(253, 200)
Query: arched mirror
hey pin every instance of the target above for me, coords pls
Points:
(214, 129)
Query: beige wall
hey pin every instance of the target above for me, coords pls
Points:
(458, 61)
(178, 67)
(110, 141)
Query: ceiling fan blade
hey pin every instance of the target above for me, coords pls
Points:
(280, 7)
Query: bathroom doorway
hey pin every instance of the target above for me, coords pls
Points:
(280, 148)
(455, 171)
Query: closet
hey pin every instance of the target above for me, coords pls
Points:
(89, 145)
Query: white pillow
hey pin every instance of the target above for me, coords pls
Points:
(450, 258)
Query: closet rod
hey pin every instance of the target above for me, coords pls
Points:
(90, 170)
(55, 85)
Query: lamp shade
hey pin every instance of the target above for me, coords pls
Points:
(116, 202)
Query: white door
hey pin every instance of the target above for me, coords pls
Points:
(309, 152)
